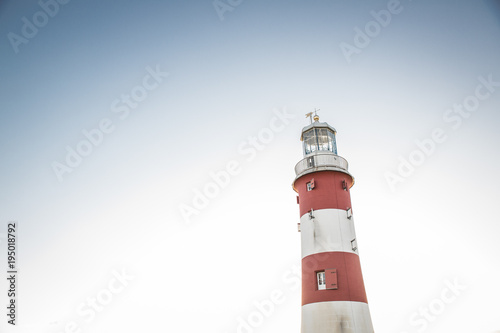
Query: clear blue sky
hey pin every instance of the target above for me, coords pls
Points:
(204, 89)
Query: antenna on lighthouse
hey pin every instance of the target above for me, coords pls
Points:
(316, 117)
(310, 115)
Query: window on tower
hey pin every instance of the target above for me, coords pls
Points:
(310, 185)
(321, 280)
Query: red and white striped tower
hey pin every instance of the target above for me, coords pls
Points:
(333, 293)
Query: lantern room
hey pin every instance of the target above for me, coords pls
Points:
(319, 137)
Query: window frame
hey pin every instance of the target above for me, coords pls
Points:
(320, 280)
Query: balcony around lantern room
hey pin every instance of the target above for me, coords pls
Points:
(320, 161)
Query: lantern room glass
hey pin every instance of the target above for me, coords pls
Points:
(319, 139)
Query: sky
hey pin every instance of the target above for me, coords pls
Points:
(148, 151)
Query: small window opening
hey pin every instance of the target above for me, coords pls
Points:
(310, 185)
(321, 280)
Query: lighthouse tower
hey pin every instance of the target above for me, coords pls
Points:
(333, 293)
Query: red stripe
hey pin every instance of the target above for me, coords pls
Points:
(328, 191)
(349, 278)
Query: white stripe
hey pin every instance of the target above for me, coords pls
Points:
(336, 317)
(329, 230)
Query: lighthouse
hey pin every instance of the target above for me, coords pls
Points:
(333, 292)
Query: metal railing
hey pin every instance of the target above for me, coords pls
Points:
(320, 161)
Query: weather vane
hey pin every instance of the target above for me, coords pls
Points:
(316, 117)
